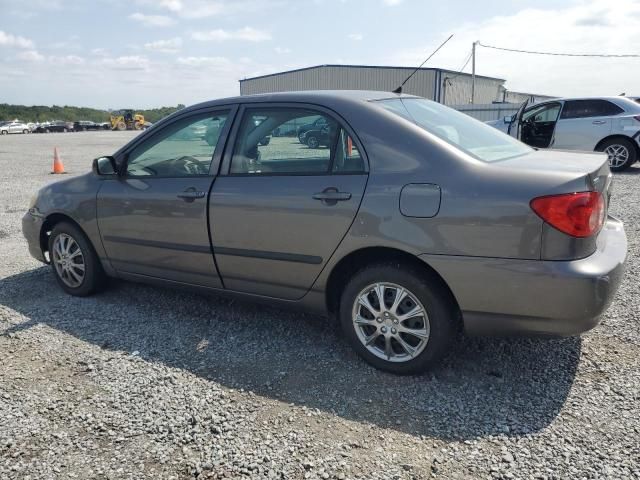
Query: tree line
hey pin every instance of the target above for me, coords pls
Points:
(43, 113)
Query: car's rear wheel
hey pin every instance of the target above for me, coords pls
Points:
(4, 132)
(397, 318)
(74, 261)
(312, 142)
(25, 131)
(620, 152)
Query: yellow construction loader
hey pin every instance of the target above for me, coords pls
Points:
(126, 120)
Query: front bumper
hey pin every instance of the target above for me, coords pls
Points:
(506, 296)
(31, 227)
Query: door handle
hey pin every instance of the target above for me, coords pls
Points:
(331, 196)
(190, 194)
(599, 122)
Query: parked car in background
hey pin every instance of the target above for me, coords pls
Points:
(55, 126)
(419, 221)
(316, 138)
(315, 125)
(14, 127)
(84, 125)
(605, 124)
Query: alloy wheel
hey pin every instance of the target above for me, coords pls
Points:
(390, 322)
(68, 260)
(618, 155)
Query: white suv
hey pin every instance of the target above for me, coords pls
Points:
(605, 124)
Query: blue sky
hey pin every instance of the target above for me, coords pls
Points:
(145, 53)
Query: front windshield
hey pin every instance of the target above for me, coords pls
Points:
(469, 135)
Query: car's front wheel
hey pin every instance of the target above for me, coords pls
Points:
(74, 261)
(620, 152)
(398, 318)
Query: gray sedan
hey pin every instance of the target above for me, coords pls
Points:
(413, 223)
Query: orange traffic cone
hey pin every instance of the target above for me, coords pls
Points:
(57, 163)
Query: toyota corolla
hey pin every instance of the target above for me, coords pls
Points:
(414, 221)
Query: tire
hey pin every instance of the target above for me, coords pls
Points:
(4, 132)
(25, 131)
(93, 278)
(301, 138)
(438, 328)
(121, 126)
(621, 152)
(312, 142)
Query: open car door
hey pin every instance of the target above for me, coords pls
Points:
(516, 122)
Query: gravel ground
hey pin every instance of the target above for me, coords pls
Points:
(144, 382)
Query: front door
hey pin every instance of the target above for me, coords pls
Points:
(282, 208)
(153, 217)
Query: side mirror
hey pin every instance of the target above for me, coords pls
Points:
(104, 166)
(508, 119)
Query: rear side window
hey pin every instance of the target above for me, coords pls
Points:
(589, 108)
(293, 141)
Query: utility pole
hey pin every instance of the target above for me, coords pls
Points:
(473, 72)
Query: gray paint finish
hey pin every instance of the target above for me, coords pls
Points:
(270, 239)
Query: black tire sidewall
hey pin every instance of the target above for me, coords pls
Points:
(434, 297)
(94, 275)
(633, 154)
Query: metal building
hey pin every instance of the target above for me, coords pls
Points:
(444, 86)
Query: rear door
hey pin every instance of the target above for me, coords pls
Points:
(153, 217)
(279, 211)
(583, 123)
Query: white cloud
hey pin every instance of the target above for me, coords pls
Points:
(282, 50)
(30, 56)
(100, 52)
(171, 45)
(125, 62)
(392, 3)
(355, 36)
(9, 40)
(152, 20)
(66, 60)
(248, 34)
(587, 26)
(204, 61)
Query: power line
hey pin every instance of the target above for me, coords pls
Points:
(557, 54)
(460, 70)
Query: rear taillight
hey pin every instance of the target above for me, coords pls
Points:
(578, 214)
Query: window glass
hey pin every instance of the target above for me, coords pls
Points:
(267, 142)
(465, 133)
(542, 113)
(181, 149)
(589, 108)
(347, 158)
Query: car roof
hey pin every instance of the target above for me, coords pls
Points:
(310, 96)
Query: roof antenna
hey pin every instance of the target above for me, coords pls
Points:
(399, 89)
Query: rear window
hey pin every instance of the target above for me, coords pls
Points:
(467, 134)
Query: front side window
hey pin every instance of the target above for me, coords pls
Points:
(265, 144)
(542, 113)
(589, 108)
(463, 132)
(184, 148)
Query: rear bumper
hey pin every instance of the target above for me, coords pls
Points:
(510, 296)
(31, 227)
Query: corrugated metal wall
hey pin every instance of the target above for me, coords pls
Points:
(518, 97)
(425, 83)
(490, 111)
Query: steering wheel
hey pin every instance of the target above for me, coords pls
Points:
(192, 165)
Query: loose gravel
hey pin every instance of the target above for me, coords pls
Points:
(145, 382)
